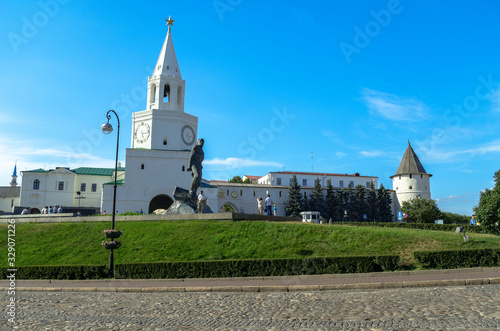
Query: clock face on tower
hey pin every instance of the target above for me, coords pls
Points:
(142, 132)
(187, 135)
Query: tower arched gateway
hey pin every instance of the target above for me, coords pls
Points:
(161, 201)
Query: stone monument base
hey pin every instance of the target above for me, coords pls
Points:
(184, 204)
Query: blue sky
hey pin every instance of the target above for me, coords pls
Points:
(271, 83)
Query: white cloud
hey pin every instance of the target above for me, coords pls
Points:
(434, 155)
(234, 162)
(393, 107)
(372, 153)
(495, 100)
(340, 154)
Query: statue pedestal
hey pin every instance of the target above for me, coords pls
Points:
(184, 204)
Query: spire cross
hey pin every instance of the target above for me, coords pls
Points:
(170, 22)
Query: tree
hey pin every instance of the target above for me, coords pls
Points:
(384, 203)
(372, 206)
(247, 181)
(359, 206)
(236, 179)
(421, 210)
(452, 218)
(305, 202)
(293, 205)
(342, 205)
(488, 209)
(330, 200)
(316, 199)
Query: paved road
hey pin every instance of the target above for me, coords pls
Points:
(427, 308)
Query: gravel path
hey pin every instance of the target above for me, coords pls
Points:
(430, 308)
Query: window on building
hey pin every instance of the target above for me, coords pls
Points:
(241, 192)
(411, 187)
(36, 184)
(165, 142)
(83, 187)
(94, 187)
(166, 93)
(183, 168)
(421, 176)
(367, 184)
(280, 194)
(253, 193)
(351, 183)
(289, 181)
(60, 186)
(142, 166)
(341, 183)
(304, 182)
(399, 177)
(227, 192)
(278, 181)
(410, 176)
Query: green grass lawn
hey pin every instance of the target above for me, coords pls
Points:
(80, 243)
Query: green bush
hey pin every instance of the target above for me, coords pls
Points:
(262, 267)
(216, 269)
(59, 272)
(458, 259)
(421, 226)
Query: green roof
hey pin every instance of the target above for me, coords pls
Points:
(36, 170)
(118, 182)
(84, 171)
(96, 171)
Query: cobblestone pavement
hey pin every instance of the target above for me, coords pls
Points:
(429, 308)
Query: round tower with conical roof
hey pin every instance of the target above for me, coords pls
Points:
(411, 180)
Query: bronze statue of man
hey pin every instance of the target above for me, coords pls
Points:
(195, 160)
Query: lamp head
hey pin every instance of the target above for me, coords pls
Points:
(107, 128)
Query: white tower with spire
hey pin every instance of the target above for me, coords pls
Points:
(162, 138)
(411, 180)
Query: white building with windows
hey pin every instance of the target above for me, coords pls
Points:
(42, 188)
(307, 179)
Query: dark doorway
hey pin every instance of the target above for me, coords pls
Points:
(161, 201)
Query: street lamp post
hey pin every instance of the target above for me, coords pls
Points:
(107, 129)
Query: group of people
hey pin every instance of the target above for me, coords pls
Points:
(56, 209)
(268, 203)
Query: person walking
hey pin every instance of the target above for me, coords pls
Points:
(202, 202)
(473, 220)
(269, 205)
(260, 205)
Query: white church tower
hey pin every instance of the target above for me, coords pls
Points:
(411, 180)
(162, 138)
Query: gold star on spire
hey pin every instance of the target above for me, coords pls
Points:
(170, 21)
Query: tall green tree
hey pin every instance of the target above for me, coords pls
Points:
(316, 199)
(305, 203)
(488, 209)
(293, 206)
(342, 197)
(359, 205)
(330, 200)
(384, 205)
(421, 210)
(371, 201)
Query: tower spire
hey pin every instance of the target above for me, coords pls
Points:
(13, 182)
(167, 61)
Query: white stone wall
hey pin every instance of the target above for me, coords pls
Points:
(408, 187)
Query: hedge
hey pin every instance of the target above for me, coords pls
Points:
(458, 259)
(421, 226)
(215, 269)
